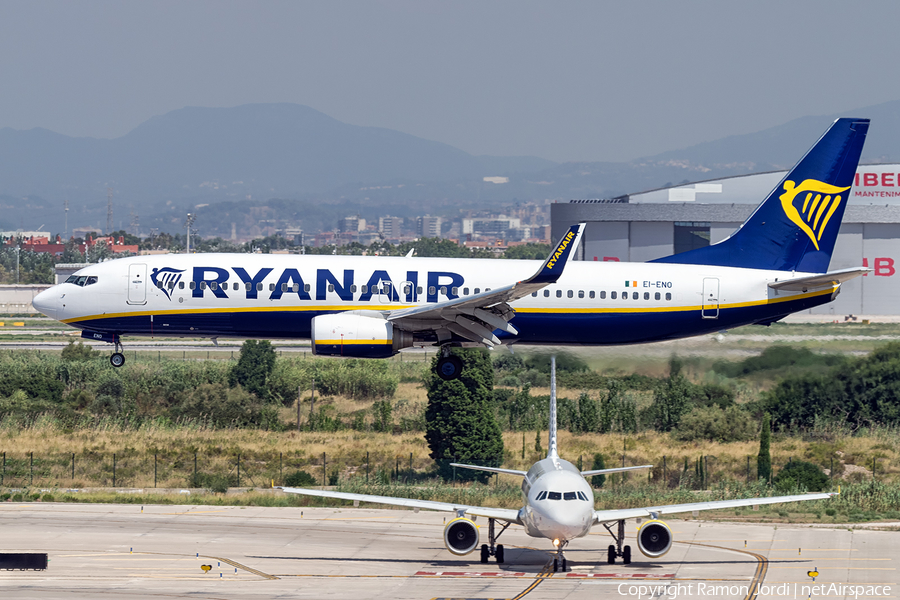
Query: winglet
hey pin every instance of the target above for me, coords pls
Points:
(553, 267)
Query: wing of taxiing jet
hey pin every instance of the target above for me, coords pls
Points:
(812, 282)
(614, 470)
(503, 514)
(605, 516)
(475, 318)
(491, 469)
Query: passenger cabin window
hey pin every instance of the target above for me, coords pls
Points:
(554, 496)
(477, 290)
(668, 296)
(569, 496)
(559, 293)
(419, 290)
(431, 290)
(259, 287)
(247, 286)
(635, 295)
(570, 294)
(534, 294)
(193, 285)
(454, 291)
(612, 295)
(180, 285)
(214, 285)
(271, 287)
(646, 295)
(656, 296)
(202, 285)
(306, 287)
(330, 287)
(444, 290)
(546, 293)
(581, 294)
(296, 287)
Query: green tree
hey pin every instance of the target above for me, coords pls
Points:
(588, 414)
(381, 416)
(764, 459)
(598, 480)
(253, 368)
(460, 420)
(77, 351)
(803, 475)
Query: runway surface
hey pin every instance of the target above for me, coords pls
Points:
(117, 551)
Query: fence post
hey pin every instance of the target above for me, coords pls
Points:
(324, 469)
(410, 467)
(665, 472)
(312, 404)
(367, 467)
(31, 476)
(281, 467)
(239, 469)
(299, 392)
(154, 469)
(831, 470)
(3, 475)
(73, 466)
(194, 483)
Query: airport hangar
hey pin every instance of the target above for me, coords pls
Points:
(642, 227)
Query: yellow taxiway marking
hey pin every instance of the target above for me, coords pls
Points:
(354, 519)
(190, 512)
(847, 568)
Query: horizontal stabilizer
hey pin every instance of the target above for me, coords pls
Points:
(615, 470)
(813, 282)
(490, 469)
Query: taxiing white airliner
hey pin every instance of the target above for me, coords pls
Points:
(559, 506)
(775, 264)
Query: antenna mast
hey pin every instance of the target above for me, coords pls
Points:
(109, 211)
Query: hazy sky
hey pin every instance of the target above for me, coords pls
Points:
(590, 80)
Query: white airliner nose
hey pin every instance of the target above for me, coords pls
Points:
(47, 302)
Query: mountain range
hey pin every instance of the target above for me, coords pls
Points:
(253, 153)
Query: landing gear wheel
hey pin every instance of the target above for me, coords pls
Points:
(449, 368)
(611, 555)
(564, 565)
(117, 359)
(626, 555)
(499, 554)
(485, 553)
(555, 565)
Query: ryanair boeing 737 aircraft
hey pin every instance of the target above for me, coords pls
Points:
(775, 264)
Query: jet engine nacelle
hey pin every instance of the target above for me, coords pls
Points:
(358, 335)
(461, 536)
(654, 538)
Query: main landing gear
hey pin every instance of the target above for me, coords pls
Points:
(117, 359)
(448, 367)
(493, 549)
(618, 550)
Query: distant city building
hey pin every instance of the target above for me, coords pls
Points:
(493, 226)
(428, 226)
(24, 234)
(292, 234)
(390, 227)
(352, 224)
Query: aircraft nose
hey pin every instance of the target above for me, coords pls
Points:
(47, 302)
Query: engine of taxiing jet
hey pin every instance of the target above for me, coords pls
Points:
(461, 536)
(654, 538)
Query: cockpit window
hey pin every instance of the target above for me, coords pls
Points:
(72, 279)
(541, 496)
(570, 496)
(581, 496)
(82, 280)
(91, 280)
(554, 496)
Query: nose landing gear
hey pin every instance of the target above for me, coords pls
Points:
(559, 561)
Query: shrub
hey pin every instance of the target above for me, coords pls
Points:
(217, 484)
(299, 479)
(801, 474)
(222, 406)
(732, 424)
(77, 351)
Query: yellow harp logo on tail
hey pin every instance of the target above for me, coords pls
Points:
(820, 200)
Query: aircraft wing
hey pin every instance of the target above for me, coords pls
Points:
(614, 470)
(504, 514)
(475, 318)
(605, 516)
(812, 282)
(490, 469)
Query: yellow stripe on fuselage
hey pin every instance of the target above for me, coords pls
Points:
(353, 342)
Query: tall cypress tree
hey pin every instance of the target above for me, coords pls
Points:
(460, 419)
(764, 459)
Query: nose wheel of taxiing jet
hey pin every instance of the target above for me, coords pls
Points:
(117, 359)
(559, 561)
